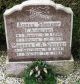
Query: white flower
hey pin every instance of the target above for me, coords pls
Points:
(59, 81)
(31, 72)
(45, 70)
(38, 74)
(36, 68)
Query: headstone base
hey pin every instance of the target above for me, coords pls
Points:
(63, 67)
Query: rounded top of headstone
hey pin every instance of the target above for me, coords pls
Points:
(38, 2)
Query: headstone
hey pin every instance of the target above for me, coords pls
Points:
(38, 29)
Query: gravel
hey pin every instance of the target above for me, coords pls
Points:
(72, 78)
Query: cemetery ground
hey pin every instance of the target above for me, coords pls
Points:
(72, 78)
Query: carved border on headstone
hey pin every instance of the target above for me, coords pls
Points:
(38, 2)
(35, 3)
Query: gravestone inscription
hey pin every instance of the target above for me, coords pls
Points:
(38, 30)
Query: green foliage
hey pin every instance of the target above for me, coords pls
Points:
(39, 73)
(78, 82)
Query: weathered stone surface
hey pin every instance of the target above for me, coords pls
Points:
(38, 30)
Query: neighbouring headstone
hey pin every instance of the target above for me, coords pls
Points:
(38, 29)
